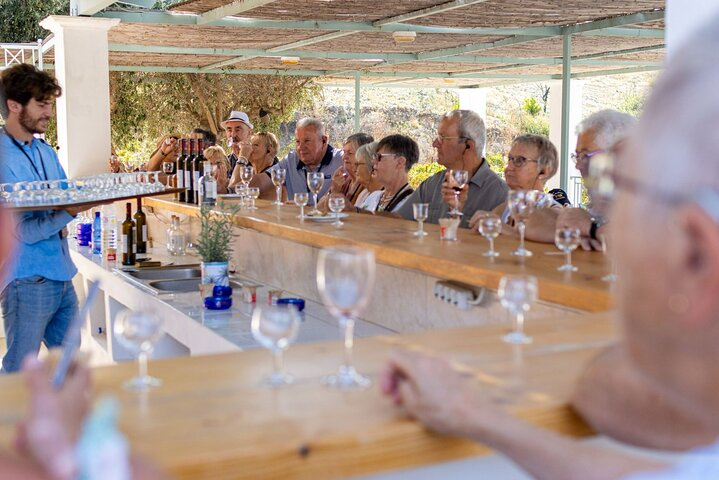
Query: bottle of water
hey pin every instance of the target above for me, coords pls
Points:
(97, 234)
(84, 230)
(109, 233)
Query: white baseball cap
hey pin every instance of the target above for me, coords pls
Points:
(236, 116)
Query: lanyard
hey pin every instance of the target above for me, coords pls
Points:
(32, 163)
(401, 193)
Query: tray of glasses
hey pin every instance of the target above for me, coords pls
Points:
(89, 202)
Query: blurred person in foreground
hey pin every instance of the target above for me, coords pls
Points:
(460, 141)
(531, 161)
(394, 157)
(662, 375)
(596, 134)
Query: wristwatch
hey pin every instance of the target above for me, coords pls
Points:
(596, 223)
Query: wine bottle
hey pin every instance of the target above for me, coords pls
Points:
(140, 228)
(128, 237)
(197, 170)
(208, 186)
(180, 169)
(189, 162)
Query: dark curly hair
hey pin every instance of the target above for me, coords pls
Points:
(23, 82)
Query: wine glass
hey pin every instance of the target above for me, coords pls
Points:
(521, 205)
(138, 331)
(253, 193)
(490, 226)
(315, 180)
(278, 178)
(246, 174)
(301, 200)
(421, 212)
(337, 204)
(345, 277)
(275, 328)
(517, 293)
(567, 239)
(612, 276)
(460, 177)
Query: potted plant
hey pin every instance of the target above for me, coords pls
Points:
(214, 245)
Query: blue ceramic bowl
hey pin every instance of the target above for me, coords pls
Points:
(220, 291)
(218, 303)
(297, 302)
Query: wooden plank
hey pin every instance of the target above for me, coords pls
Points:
(212, 419)
(462, 261)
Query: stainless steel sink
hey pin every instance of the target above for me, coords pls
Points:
(182, 285)
(167, 273)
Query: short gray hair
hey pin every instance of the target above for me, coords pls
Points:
(471, 127)
(609, 126)
(366, 153)
(315, 123)
(547, 160)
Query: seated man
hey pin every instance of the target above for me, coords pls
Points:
(459, 143)
(531, 161)
(596, 134)
(666, 223)
(313, 153)
(238, 130)
(395, 156)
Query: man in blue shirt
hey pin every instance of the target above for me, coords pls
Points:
(38, 299)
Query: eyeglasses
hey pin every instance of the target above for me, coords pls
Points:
(378, 156)
(583, 158)
(441, 138)
(519, 161)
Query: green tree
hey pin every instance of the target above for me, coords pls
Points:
(531, 106)
(20, 19)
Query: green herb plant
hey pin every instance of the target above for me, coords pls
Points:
(214, 242)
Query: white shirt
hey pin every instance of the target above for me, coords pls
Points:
(699, 464)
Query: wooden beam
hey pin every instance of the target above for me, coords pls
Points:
(238, 6)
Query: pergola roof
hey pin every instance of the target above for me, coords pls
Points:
(458, 43)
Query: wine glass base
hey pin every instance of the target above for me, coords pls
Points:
(491, 254)
(567, 268)
(338, 224)
(420, 234)
(141, 384)
(347, 378)
(279, 204)
(610, 278)
(522, 252)
(517, 338)
(301, 217)
(276, 380)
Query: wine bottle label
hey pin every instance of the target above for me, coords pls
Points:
(143, 239)
(188, 178)
(126, 244)
(180, 178)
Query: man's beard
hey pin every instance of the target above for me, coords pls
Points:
(32, 125)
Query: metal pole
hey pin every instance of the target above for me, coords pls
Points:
(357, 102)
(566, 98)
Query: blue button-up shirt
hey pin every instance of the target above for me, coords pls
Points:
(296, 180)
(42, 250)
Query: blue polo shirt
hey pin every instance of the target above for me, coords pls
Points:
(296, 180)
(42, 249)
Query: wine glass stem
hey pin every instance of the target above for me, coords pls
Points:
(421, 227)
(278, 192)
(519, 323)
(568, 256)
(314, 197)
(521, 227)
(491, 246)
(142, 363)
(277, 363)
(349, 329)
(302, 212)
(456, 201)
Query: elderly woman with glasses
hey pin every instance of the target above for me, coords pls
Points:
(344, 180)
(394, 157)
(531, 161)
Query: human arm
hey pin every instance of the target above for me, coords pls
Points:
(448, 403)
(220, 175)
(168, 145)
(32, 228)
(582, 220)
(264, 183)
(541, 225)
(618, 401)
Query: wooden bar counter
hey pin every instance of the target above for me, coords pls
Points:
(276, 248)
(212, 419)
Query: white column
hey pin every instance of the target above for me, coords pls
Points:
(474, 99)
(83, 109)
(684, 17)
(554, 107)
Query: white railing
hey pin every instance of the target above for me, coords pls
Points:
(14, 53)
(576, 189)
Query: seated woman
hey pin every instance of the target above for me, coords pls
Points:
(220, 166)
(531, 161)
(262, 158)
(395, 156)
(344, 180)
(364, 156)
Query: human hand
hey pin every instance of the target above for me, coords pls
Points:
(220, 174)
(244, 149)
(582, 220)
(50, 431)
(474, 221)
(437, 395)
(339, 178)
(448, 192)
(114, 164)
(169, 146)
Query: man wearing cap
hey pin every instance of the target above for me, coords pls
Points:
(312, 153)
(239, 130)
